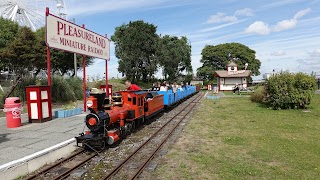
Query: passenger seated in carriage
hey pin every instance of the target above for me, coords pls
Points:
(163, 87)
(155, 87)
(187, 85)
(181, 88)
(175, 87)
(169, 87)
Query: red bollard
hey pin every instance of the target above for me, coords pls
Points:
(12, 108)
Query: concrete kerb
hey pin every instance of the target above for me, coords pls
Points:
(28, 164)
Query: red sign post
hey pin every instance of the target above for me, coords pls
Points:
(67, 36)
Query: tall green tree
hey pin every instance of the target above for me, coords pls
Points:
(174, 56)
(19, 55)
(217, 57)
(135, 47)
(8, 31)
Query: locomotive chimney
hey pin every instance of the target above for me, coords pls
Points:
(100, 95)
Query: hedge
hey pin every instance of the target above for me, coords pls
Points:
(63, 89)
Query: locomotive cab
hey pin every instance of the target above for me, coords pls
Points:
(135, 99)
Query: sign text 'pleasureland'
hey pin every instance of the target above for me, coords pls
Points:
(66, 36)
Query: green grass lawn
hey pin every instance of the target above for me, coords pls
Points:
(233, 138)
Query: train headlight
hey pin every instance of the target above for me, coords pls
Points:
(89, 103)
(92, 121)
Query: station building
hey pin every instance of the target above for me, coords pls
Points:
(229, 78)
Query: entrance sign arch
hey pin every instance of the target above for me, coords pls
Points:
(67, 36)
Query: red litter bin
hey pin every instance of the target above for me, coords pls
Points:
(13, 108)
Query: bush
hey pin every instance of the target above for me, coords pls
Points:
(20, 90)
(258, 97)
(290, 91)
(62, 89)
(99, 83)
(76, 85)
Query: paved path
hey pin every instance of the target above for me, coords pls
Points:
(32, 137)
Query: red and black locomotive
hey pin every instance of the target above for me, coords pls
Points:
(108, 122)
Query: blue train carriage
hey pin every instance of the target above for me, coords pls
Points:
(192, 89)
(168, 97)
(171, 98)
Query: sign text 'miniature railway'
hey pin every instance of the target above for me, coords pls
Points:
(64, 35)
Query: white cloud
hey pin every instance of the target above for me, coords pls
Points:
(301, 13)
(310, 63)
(221, 17)
(244, 12)
(279, 3)
(294, 39)
(315, 53)
(278, 53)
(220, 26)
(258, 27)
(262, 28)
(284, 25)
(290, 23)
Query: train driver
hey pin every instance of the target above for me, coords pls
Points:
(132, 87)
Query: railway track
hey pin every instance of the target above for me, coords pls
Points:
(63, 168)
(136, 162)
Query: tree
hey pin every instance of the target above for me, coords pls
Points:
(174, 56)
(217, 57)
(19, 55)
(135, 47)
(9, 31)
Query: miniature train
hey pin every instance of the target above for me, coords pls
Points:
(108, 122)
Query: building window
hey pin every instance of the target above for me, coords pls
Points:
(232, 68)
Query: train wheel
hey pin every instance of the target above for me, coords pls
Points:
(133, 125)
(102, 145)
(138, 123)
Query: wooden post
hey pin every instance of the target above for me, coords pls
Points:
(48, 66)
(107, 84)
(84, 84)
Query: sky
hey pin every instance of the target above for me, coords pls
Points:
(284, 33)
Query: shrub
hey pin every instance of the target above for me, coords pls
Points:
(76, 85)
(258, 97)
(99, 83)
(20, 90)
(290, 91)
(62, 89)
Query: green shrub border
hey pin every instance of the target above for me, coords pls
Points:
(290, 90)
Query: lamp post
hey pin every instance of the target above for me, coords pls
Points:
(75, 56)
